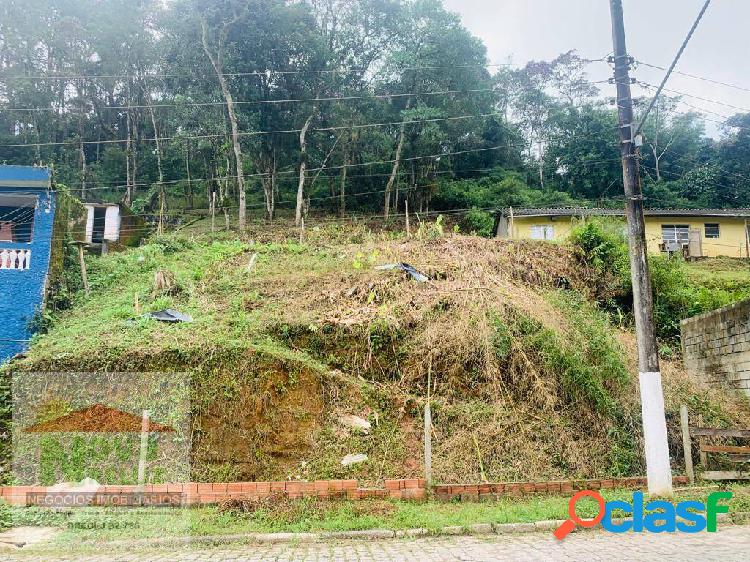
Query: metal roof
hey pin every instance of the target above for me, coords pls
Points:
(585, 212)
(25, 177)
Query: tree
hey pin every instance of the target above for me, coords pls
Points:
(216, 24)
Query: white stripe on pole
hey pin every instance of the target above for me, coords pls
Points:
(655, 434)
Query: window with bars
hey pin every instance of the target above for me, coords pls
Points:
(712, 230)
(17, 218)
(675, 234)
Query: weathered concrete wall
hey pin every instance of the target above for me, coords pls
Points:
(716, 346)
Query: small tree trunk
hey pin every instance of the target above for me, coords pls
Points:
(394, 170)
(191, 202)
(162, 194)
(657, 158)
(269, 186)
(541, 166)
(342, 184)
(128, 153)
(216, 62)
(302, 168)
(82, 158)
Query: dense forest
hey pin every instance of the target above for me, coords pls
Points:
(339, 106)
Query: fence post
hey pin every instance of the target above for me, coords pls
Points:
(701, 442)
(686, 447)
(428, 430)
(145, 423)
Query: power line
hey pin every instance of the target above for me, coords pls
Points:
(671, 67)
(702, 109)
(704, 79)
(709, 100)
(351, 165)
(264, 73)
(255, 133)
(180, 105)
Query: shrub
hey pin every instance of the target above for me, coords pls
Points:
(602, 247)
(479, 222)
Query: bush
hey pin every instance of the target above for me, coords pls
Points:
(602, 246)
(478, 222)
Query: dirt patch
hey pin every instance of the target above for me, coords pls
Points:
(97, 418)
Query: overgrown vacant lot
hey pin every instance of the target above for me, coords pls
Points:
(529, 379)
(727, 274)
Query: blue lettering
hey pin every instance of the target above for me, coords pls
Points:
(698, 520)
(607, 522)
(638, 512)
(668, 516)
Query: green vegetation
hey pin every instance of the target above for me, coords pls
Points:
(587, 364)
(681, 289)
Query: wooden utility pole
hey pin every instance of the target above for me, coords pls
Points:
(652, 397)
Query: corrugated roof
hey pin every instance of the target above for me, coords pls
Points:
(25, 176)
(584, 212)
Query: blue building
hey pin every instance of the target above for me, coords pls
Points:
(27, 217)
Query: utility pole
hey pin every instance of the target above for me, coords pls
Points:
(652, 397)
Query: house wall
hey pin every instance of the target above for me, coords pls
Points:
(716, 346)
(563, 225)
(112, 223)
(22, 291)
(732, 241)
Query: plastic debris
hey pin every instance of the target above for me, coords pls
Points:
(251, 263)
(353, 459)
(417, 275)
(355, 422)
(169, 315)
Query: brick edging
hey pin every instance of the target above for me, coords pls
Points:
(199, 493)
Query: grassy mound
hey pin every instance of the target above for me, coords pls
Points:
(529, 380)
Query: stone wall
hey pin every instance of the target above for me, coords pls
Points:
(716, 346)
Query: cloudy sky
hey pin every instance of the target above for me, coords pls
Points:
(520, 30)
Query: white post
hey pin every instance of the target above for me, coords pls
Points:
(658, 471)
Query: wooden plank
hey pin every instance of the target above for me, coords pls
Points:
(686, 447)
(725, 449)
(726, 475)
(713, 432)
(739, 458)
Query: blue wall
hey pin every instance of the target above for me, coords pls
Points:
(22, 291)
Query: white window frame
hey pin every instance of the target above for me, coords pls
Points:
(542, 232)
(675, 234)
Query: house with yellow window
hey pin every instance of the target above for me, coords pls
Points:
(695, 233)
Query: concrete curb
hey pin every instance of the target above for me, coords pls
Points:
(740, 518)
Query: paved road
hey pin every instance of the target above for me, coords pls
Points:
(729, 544)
